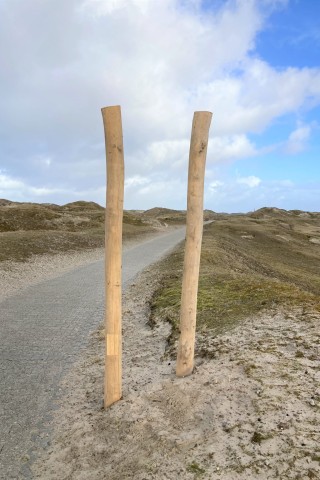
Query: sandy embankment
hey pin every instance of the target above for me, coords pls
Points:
(249, 412)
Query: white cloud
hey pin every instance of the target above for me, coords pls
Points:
(158, 60)
(215, 185)
(160, 156)
(230, 147)
(168, 152)
(12, 188)
(41, 161)
(286, 183)
(298, 139)
(252, 100)
(169, 192)
(161, 61)
(135, 181)
(42, 191)
(250, 181)
(233, 196)
(107, 7)
(7, 183)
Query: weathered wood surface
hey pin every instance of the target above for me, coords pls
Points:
(114, 214)
(197, 163)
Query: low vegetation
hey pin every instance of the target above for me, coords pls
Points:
(251, 262)
(28, 229)
(265, 259)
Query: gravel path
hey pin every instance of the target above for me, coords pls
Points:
(43, 329)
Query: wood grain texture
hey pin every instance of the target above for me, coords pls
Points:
(113, 242)
(197, 163)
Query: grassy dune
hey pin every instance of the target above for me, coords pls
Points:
(251, 262)
(28, 229)
(265, 259)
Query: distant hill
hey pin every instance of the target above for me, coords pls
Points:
(35, 228)
(267, 212)
(72, 217)
(76, 216)
(170, 216)
(158, 211)
(273, 212)
(209, 215)
(80, 205)
(3, 202)
(81, 215)
(165, 216)
(29, 229)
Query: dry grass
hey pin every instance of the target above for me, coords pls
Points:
(248, 263)
(28, 229)
(168, 216)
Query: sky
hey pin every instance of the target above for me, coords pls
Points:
(255, 64)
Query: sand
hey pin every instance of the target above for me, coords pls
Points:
(250, 410)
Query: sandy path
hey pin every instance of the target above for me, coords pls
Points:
(249, 412)
(43, 330)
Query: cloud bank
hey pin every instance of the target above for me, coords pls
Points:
(161, 61)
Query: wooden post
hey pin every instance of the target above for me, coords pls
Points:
(197, 162)
(113, 243)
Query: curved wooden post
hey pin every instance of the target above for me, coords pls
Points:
(197, 163)
(113, 243)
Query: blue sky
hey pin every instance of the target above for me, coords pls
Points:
(254, 63)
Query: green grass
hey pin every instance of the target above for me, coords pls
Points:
(195, 469)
